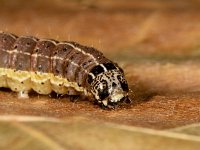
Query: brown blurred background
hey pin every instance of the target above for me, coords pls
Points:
(139, 27)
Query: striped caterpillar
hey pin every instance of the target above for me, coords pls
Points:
(44, 65)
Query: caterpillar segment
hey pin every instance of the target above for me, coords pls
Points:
(44, 65)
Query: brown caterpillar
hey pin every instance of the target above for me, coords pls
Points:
(44, 65)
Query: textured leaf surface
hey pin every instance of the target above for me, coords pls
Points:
(43, 133)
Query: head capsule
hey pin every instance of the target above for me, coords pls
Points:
(108, 87)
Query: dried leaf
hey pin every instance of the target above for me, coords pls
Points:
(38, 133)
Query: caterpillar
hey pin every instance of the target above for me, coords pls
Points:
(45, 65)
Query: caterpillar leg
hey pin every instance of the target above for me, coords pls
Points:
(19, 81)
(72, 92)
(23, 94)
(41, 83)
(73, 98)
(57, 85)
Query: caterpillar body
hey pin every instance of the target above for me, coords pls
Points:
(44, 65)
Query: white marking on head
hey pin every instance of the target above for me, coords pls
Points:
(107, 86)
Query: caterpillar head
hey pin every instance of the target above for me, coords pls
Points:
(110, 87)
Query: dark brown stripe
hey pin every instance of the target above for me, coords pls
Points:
(6, 44)
(41, 57)
(21, 53)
